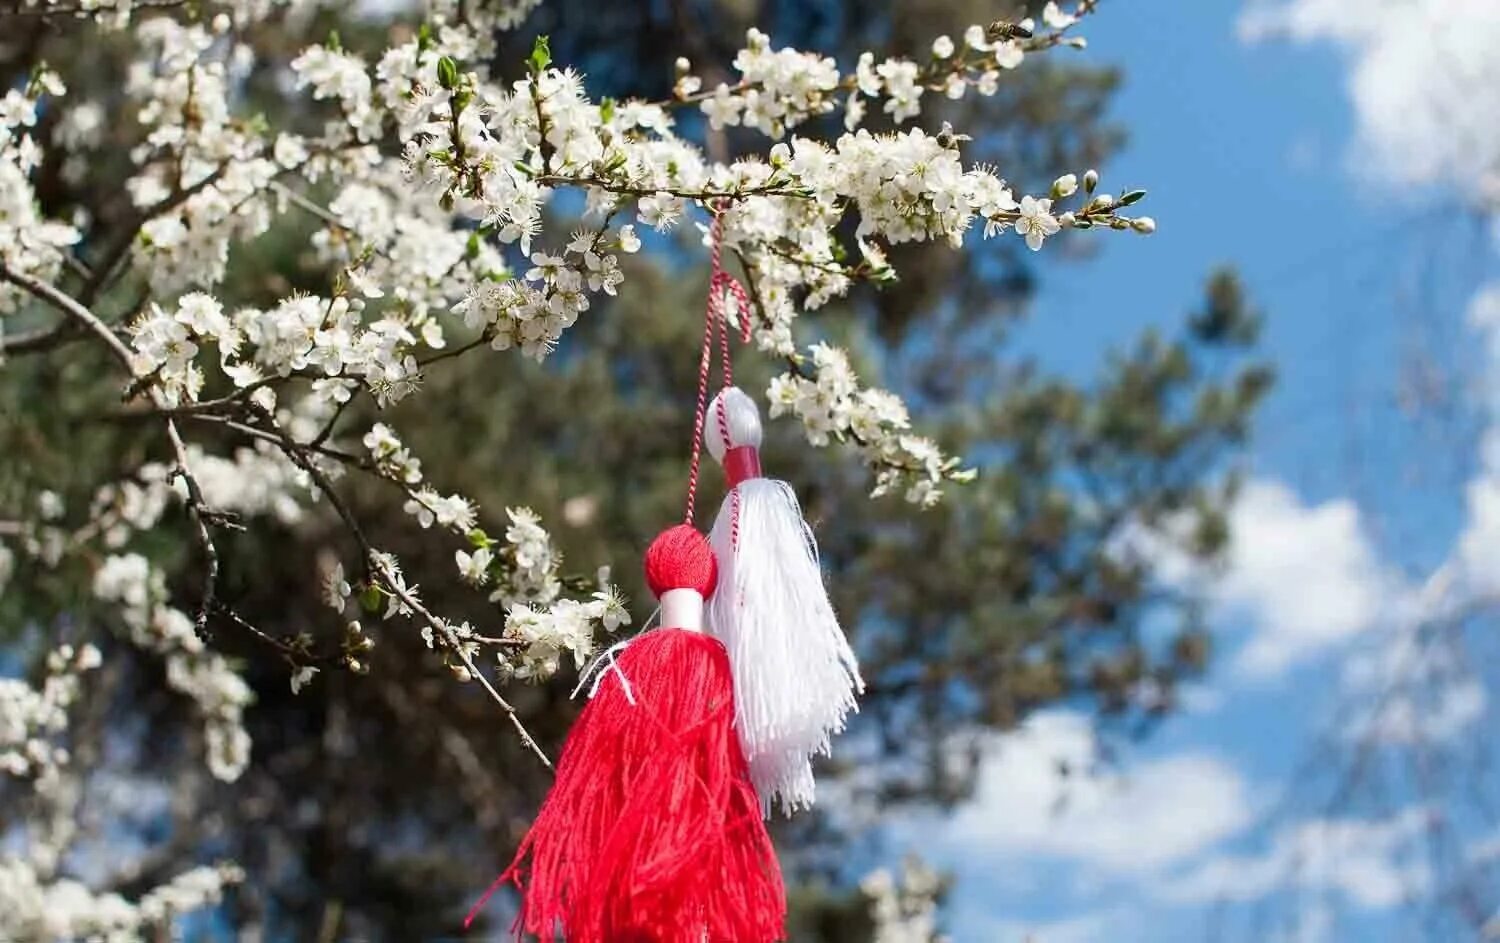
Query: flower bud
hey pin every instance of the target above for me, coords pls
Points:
(1090, 181)
(1145, 225)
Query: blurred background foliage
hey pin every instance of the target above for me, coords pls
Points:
(378, 805)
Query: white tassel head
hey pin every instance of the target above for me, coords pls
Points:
(733, 422)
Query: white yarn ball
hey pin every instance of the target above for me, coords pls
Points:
(740, 419)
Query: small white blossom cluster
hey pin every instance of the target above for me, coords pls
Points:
(138, 590)
(904, 908)
(203, 171)
(255, 481)
(120, 509)
(395, 462)
(35, 902)
(34, 907)
(392, 459)
(539, 625)
(29, 243)
(489, 16)
(780, 88)
(908, 186)
(532, 314)
(535, 562)
(44, 538)
(524, 570)
(831, 404)
(32, 718)
(250, 481)
(451, 512)
(400, 245)
(340, 76)
(567, 626)
(324, 338)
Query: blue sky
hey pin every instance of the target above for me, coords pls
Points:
(1290, 158)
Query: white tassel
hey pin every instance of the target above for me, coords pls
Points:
(795, 677)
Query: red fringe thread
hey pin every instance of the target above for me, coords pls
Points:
(652, 832)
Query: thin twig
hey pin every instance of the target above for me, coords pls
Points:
(296, 655)
(377, 569)
(230, 401)
(280, 440)
(453, 642)
(41, 339)
(643, 190)
(44, 9)
(479, 341)
(333, 420)
(199, 511)
(65, 303)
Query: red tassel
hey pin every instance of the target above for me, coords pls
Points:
(652, 832)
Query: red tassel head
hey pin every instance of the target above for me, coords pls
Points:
(680, 558)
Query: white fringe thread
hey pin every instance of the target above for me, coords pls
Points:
(795, 676)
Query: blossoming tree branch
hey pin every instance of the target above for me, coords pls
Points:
(427, 177)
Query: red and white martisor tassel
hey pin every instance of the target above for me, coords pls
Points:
(652, 832)
(795, 677)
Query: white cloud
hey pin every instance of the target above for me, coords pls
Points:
(1087, 928)
(1443, 712)
(1373, 864)
(1156, 814)
(1423, 79)
(1308, 577)
(1478, 552)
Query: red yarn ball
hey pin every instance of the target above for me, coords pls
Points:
(680, 558)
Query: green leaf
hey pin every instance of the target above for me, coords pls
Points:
(447, 72)
(1132, 196)
(541, 54)
(370, 597)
